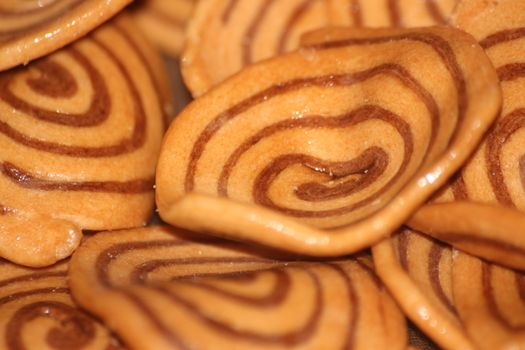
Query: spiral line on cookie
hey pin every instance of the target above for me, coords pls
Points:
(508, 124)
(432, 262)
(270, 301)
(255, 26)
(394, 13)
(492, 297)
(55, 81)
(74, 329)
(52, 82)
(368, 166)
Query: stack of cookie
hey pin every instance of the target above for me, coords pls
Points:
(349, 174)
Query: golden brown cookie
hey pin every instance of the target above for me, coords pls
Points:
(496, 172)
(36, 312)
(225, 35)
(490, 301)
(164, 22)
(33, 28)
(160, 290)
(418, 272)
(80, 131)
(350, 133)
(391, 13)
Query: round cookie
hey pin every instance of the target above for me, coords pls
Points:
(161, 290)
(33, 28)
(349, 133)
(80, 131)
(164, 22)
(37, 312)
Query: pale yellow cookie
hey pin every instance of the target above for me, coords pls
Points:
(33, 28)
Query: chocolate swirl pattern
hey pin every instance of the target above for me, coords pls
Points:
(225, 35)
(164, 22)
(297, 142)
(31, 29)
(490, 301)
(417, 270)
(249, 31)
(36, 312)
(80, 130)
(391, 13)
(175, 293)
(495, 173)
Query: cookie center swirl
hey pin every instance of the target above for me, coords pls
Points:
(75, 329)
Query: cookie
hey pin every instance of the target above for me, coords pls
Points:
(160, 290)
(350, 134)
(490, 302)
(32, 29)
(80, 130)
(495, 174)
(417, 270)
(391, 13)
(37, 312)
(225, 35)
(164, 22)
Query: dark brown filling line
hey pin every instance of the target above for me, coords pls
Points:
(434, 258)
(25, 179)
(228, 10)
(490, 298)
(140, 273)
(498, 137)
(75, 329)
(394, 13)
(376, 158)
(293, 85)
(435, 12)
(502, 37)
(56, 81)
(296, 15)
(507, 125)
(438, 44)
(251, 32)
(356, 13)
(273, 299)
(98, 113)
